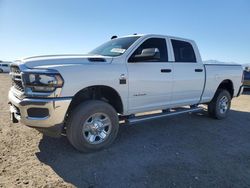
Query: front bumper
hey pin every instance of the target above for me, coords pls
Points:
(56, 109)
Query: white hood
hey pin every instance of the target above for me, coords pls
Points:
(59, 60)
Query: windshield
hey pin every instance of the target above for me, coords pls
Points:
(114, 47)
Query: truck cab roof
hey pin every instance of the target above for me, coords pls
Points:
(156, 35)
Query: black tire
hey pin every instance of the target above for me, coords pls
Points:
(79, 118)
(215, 108)
(1, 70)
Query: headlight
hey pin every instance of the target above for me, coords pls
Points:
(38, 82)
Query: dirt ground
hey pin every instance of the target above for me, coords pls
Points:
(182, 151)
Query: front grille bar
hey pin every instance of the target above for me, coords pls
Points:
(16, 78)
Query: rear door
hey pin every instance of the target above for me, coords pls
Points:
(188, 73)
(150, 79)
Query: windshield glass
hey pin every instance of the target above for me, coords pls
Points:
(114, 47)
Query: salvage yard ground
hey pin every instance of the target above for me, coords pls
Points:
(182, 151)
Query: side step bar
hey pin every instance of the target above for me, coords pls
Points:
(136, 119)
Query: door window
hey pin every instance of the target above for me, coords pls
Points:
(151, 50)
(183, 51)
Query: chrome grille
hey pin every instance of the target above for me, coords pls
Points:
(16, 78)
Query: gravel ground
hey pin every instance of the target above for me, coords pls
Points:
(182, 151)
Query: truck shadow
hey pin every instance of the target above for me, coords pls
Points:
(186, 150)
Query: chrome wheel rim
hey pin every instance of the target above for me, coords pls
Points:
(97, 128)
(223, 104)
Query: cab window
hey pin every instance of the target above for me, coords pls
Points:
(183, 51)
(151, 50)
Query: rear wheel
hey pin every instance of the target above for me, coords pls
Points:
(93, 125)
(220, 105)
(1, 70)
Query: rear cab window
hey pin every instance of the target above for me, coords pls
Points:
(183, 51)
(247, 75)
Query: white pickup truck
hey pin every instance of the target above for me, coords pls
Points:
(86, 97)
(4, 66)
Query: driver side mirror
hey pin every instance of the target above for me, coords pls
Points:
(148, 54)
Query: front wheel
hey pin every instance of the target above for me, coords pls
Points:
(220, 105)
(93, 125)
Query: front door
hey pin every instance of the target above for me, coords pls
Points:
(150, 76)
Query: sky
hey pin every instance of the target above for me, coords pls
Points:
(221, 28)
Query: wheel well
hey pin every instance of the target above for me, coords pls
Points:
(103, 93)
(227, 85)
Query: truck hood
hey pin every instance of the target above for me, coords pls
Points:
(61, 60)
